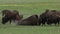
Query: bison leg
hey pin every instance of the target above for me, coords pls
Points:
(58, 23)
(10, 21)
(39, 23)
(49, 23)
(43, 23)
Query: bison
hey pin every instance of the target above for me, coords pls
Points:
(54, 17)
(11, 15)
(43, 18)
(49, 16)
(32, 20)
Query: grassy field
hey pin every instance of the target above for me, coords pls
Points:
(28, 8)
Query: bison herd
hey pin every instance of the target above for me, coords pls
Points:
(49, 17)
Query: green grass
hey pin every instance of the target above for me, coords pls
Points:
(28, 8)
(29, 30)
(25, 1)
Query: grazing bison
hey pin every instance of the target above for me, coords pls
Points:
(32, 20)
(42, 19)
(11, 15)
(53, 17)
(49, 16)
